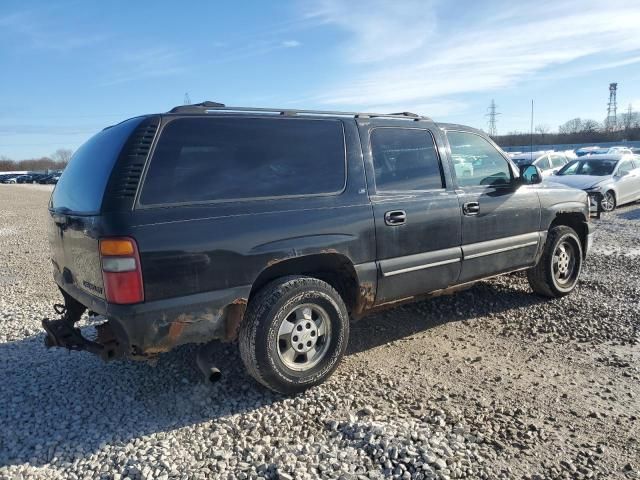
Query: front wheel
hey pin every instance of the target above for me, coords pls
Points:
(609, 201)
(294, 333)
(558, 270)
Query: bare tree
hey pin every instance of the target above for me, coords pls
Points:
(590, 126)
(542, 129)
(62, 156)
(572, 126)
(6, 164)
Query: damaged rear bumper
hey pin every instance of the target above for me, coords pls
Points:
(141, 331)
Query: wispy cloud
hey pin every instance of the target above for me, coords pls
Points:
(31, 29)
(145, 63)
(379, 29)
(411, 57)
(290, 43)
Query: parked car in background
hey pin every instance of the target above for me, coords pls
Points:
(274, 227)
(24, 179)
(615, 177)
(10, 179)
(52, 180)
(581, 152)
(619, 151)
(548, 162)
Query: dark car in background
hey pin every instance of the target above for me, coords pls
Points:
(274, 227)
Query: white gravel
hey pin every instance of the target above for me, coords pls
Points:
(491, 383)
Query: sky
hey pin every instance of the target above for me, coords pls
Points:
(70, 68)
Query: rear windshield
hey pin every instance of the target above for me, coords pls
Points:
(222, 159)
(82, 184)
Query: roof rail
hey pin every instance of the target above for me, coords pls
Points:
(205, 107)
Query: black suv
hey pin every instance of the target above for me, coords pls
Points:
(274, 227)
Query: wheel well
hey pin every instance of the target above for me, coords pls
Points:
(333, 268)
(575, 221)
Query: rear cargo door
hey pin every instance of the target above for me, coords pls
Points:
(75, 209)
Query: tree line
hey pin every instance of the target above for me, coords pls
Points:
(576, 130)
(56, 161)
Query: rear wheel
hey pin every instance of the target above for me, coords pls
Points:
(294, 334)
(558, 270)
(609, 201)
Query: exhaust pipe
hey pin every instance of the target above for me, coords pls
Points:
(214, 375)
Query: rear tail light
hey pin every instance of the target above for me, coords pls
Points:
(121, 270)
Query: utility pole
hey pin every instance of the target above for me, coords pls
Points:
(628, 122)
(531, 130)
(492, 114)
(612, 108)
(187, 99)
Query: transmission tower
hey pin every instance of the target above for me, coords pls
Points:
(492, 114)
(612, 108)
(187, 99)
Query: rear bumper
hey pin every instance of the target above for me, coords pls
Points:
(143, 330)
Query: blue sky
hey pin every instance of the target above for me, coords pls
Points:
(71, 68)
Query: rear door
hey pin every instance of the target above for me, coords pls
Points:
(417, 220)
(500, 222)
(627, 181)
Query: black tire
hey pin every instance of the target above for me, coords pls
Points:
(609, 199)
(546, 277)
(261, 342)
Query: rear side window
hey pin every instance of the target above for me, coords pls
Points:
(83, 182)
(543, 163)
(222, 159)
(405, 159)
(558, 161)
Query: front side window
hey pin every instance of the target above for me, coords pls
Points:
(405, 159)
(221, 159)
(489, 167)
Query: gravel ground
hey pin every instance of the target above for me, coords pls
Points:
(493, 382)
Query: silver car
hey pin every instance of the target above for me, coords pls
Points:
(615, 177)
(548, 162)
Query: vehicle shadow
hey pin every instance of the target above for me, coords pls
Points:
(482, 299)
(55, 403)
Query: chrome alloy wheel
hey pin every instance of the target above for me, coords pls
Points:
(304, 337)
(564, 262)
(608, 202)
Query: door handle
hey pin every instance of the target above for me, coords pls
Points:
(395, 217)
(471, 208)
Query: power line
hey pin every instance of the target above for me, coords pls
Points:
(492, 114)
(187, 99)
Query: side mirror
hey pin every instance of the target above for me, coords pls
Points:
(530, 175)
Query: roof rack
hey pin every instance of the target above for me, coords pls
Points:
(205, 107)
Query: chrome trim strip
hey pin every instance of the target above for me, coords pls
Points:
(500, 250)
(419, 267)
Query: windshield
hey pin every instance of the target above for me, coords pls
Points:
(598, 168)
